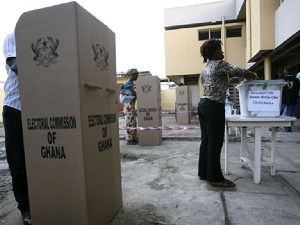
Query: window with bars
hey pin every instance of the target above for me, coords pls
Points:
(233, 32)
(209, 34)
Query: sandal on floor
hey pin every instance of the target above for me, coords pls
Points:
(202, 178)
(132, 142)
(224, 183)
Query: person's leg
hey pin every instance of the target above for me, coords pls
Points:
(15, 156)
(282, 113)
(290, 109)
(212, 122)
(130, 119)
(289, 112)
(134, 124)
(215, 130)
(297, 108)
(202, 164)
(282, 107)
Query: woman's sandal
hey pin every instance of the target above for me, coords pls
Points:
(224, 183)
(202, 178)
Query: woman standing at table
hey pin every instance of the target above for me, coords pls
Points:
(216, 78)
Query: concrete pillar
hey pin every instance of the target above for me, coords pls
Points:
(182, 79)
(223, 36)
(248, 30)
(267, 66)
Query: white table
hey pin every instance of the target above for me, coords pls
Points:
(257, 123)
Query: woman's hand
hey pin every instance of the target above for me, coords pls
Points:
(234, 80)
(132, 91)
(248, 75)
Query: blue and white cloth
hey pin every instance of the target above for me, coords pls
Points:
(11, 87)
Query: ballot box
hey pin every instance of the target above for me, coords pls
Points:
(260, 98)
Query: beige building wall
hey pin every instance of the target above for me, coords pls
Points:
(236, 47)
(255, 27)
(182, 50)
(122, 80)
(168, 99)
(262, 24)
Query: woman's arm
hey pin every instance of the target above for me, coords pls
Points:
(12, 63)
(250, 75)
(234, 71)
(132, 90)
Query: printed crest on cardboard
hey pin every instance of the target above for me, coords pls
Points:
(101, 56)
(45, 51)
(146, 88)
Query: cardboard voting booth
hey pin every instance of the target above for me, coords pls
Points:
(67, 75)
(183, 105)
(149, 109)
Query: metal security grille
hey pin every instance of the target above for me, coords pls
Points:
(203, 35)
(209, 34)
(234, 97)
(215, 34)
(233, 32)
(191, 80)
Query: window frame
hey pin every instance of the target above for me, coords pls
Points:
(209, 31)
(232, 29)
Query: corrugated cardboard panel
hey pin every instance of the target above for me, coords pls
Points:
(96, 51)
(183, 105)
(148, 89)
(101, 140)
(71, 139)
(149, 116)
(47, 61)
(182, 94)
(149, 109)
(150, 137)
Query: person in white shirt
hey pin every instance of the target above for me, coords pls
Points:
(13, 130)
(298, 76)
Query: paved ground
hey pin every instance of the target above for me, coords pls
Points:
(160, 184)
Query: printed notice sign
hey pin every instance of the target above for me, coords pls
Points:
(263, 100)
